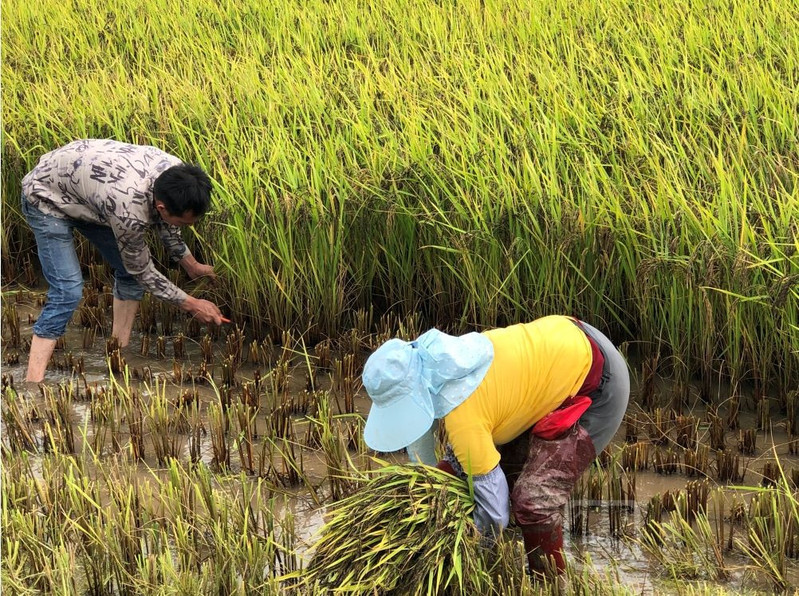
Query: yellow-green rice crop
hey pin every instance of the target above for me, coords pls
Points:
(484, 161)
(405, 530)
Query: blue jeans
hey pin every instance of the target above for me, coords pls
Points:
(61, 268)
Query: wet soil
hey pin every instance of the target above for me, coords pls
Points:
(632, 565)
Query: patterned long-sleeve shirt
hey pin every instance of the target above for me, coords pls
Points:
(111, 183)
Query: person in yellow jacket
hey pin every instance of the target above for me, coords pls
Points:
(526, 409)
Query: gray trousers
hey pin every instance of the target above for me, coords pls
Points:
(599, 423)
(541, 489)
(603, 417)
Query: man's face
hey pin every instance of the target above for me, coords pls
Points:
(186, 219)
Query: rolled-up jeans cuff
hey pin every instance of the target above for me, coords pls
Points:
(46, 334)
(52, 322)
(128, 291)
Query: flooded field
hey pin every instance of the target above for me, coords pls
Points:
(282, 423)
(376, 169)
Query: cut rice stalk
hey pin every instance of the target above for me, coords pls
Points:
(406, 528)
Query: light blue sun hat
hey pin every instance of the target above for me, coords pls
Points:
(413, 383)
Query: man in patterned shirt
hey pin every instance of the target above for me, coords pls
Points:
(112, 193)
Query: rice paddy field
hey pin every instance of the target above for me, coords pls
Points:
(380, 168)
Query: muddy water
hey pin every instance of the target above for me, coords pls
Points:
(633, 567)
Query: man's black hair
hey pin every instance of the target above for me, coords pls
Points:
(184, 188)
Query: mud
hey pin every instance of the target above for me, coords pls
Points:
(632, 566)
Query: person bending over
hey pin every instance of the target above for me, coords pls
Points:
(112, 193)
(526, 409)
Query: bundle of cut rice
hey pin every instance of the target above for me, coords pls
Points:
(407, 530)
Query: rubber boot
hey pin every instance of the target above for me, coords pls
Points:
(544, 548)
(541, 492)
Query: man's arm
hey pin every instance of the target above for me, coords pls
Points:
(178, 251)
(136, 258)
(195, 269)
(172, 239)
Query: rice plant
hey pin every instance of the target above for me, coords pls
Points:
(406, 530)
(379, 165)
(686, 549)
(772, 536)
(400, 166)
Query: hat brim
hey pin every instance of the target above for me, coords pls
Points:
(396, 426)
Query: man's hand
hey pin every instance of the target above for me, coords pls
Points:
(195, 269)
(201, 270)
(204, 311)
